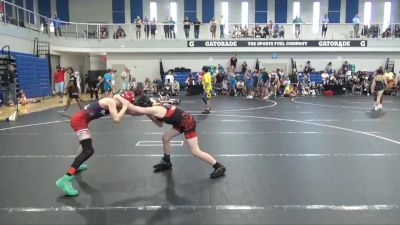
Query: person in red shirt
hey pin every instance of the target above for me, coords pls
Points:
(59, 82)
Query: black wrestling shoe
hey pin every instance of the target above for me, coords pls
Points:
(162, 166)
(218, 172)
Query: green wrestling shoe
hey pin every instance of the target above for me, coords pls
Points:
(65, 185)
(82, 167)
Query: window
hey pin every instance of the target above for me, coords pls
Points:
(245, 14)
(316, 16)
(153, 11)
(173, 12)
(367, 13)
(224, 14)
(387, 11)
(296, 9)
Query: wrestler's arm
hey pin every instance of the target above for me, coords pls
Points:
(112, 108)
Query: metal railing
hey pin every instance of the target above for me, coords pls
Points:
(21, 17)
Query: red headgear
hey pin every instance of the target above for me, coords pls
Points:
(128, 95)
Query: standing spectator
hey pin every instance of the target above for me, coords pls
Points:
(197, 24)
(244, 67)
(93, 87)
(77, 76)
(270, 26)
(249, 84)
(233, 62)
(282, 32)
(107, 79)
(138, 23)
(329, 68)
(120, 33)
(153, 28)
(172, 28)
(169, 77)
(9, 83)
(166, 28)
(397, 31)
(356, 21)
(213, 27)
(207, 87)
(59, 82)
(345, 67)
(57, 25)
(186, 26)
(46, 24)
(325, 22)
(146, 24)
(73, 90)
(126, 79)
(221, 27)
(297, 25)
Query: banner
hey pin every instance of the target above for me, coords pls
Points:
(255, 43)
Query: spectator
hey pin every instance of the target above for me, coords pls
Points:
(240, 90)
(308, 68)
(147, 86)
(249, 84)
(225, 89)
(297, 25)
(103, 32)
(107, 79)
(138, 23)
(59, 82)
(213, 27)
(282, 32)
(126, 79)
(266, 31)
(186, 26)
(46, 24)
(257, 31)
(153, 28)
(172, 28)
(120, 33)
(329, 68)
(73, 90)
(275, 31)
(356, 22)
(166, 28)
(9, 83)
(93, 87)
(169, 77)
(197, 24)
(236, 31)
(233, 62)
(23, 100)
(146, 24)
(397, 31)
(2, 11)
(57, 25)
(133, 83)
(345, 67)
(325, 22)
(175, 87)
(244, 31)
(218, 82)
(221, 27)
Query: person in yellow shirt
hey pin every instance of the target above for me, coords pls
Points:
(207, 87)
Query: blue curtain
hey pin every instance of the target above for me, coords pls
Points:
(118, 11)
(351, 10)
(281, 7)
(63, 9)
(261, 13)
(136, 9)
(44, 9)
(190, 9)
(334, 11)
(207, 10)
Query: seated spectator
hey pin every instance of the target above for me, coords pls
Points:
(387, 33)
(282, 32)
(103, 32)
(169, 77)
(345, 67)
(266, 31)
(120, 33)
(240, 89)
(325, 78)
(148, 88)
(244, 31)
(236, 31)
(175, 88)
(23, 100)
(257, 31)
(225, 89)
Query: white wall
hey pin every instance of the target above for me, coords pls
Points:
(147, 65)
(78, 61)
(95, 63)
(90, 11)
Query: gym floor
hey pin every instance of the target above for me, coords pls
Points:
(311, 160)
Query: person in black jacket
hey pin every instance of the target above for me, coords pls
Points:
(9, 84)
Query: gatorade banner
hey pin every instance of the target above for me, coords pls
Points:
(276, 44)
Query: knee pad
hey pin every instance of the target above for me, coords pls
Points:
(87, 148)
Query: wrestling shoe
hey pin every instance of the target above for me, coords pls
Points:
(82, 168)
(162, 166)
(65, 185)
(218, 172)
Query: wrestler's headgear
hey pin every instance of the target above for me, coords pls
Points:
(128, 95)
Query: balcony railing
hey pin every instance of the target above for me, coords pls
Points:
(21, 17)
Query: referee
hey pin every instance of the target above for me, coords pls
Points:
(207, 87)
